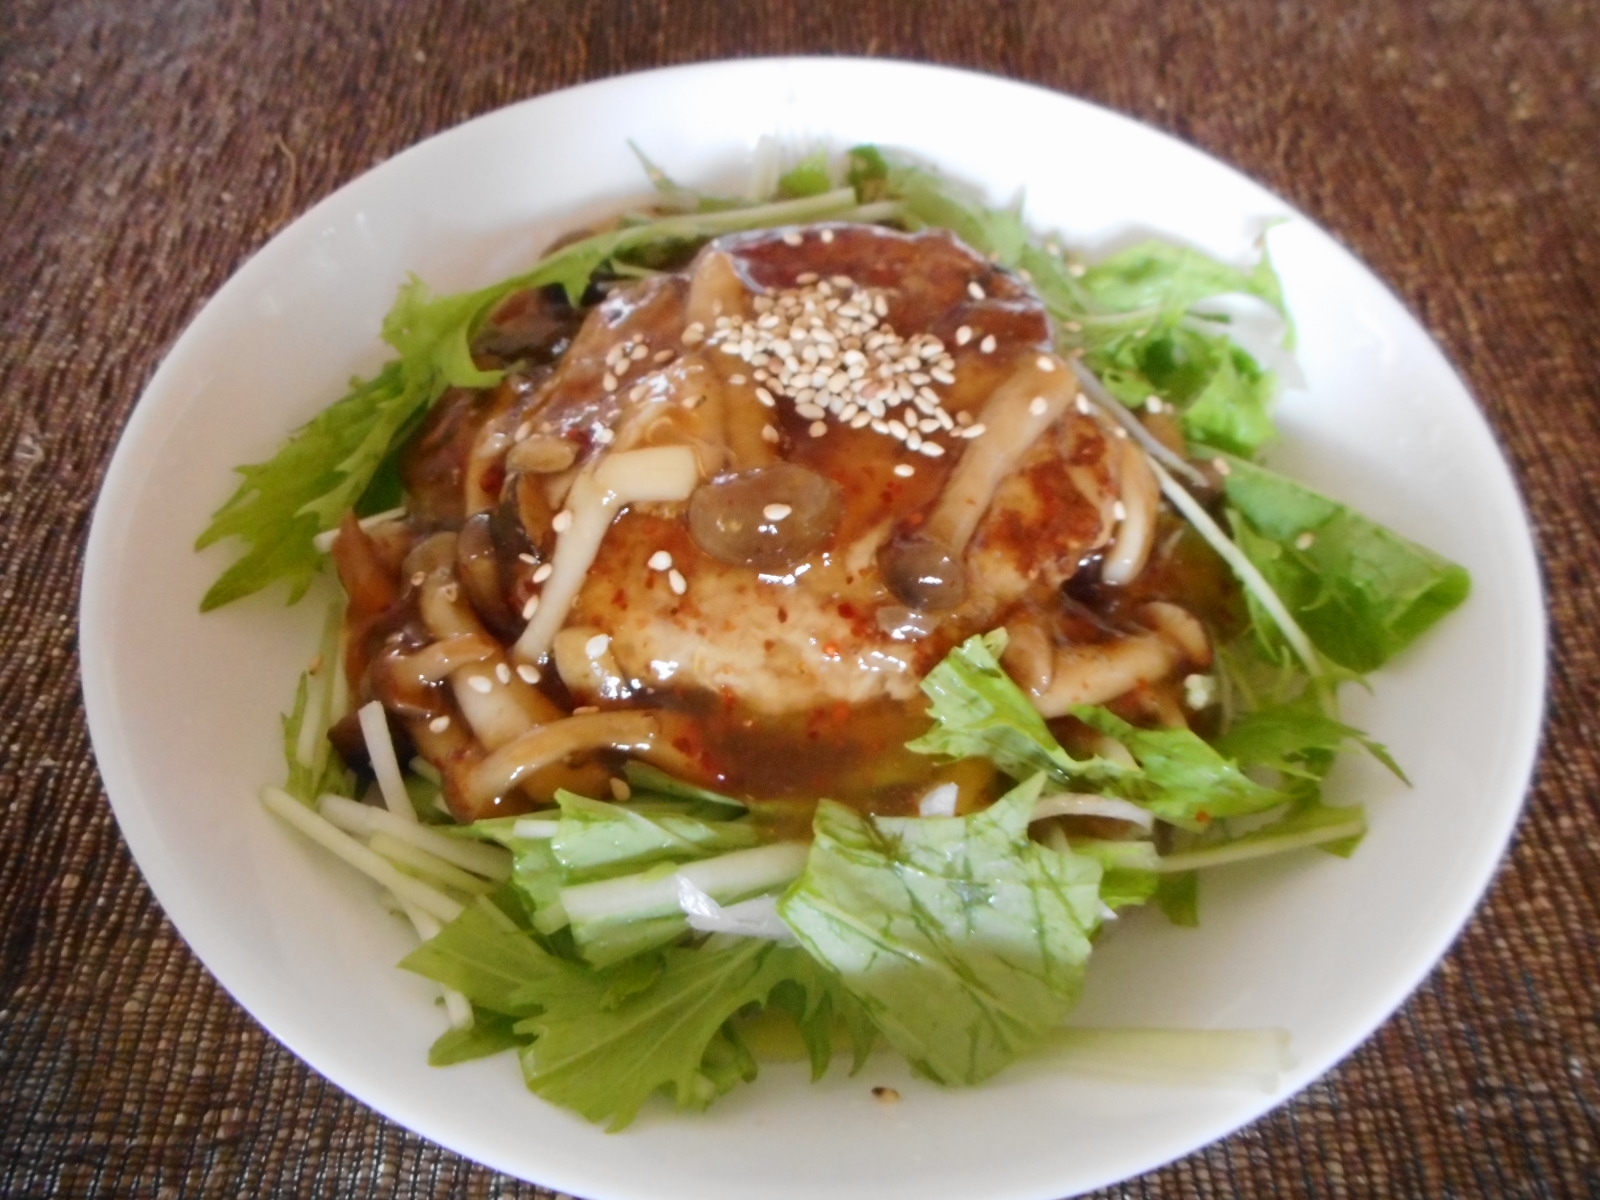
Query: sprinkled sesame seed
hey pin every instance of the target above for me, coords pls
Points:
(765, 397)
(1119, 511)
(1082, 404)
(932, 449)
(480, 683)
(638, 391)
(562, 521)
(662, 356)
(776, 512)
(963, 335)
(1077, 270)
(661, 560)
(1221, 467)
(531, 607)
(608, 381)
(418, 578)
(818, 428)
(585, 710)
(975, 430)
(527, 673)
(502, 672)
(904, 470)
(737, 380)
(523, 431)
(792, 239)
(677, 582)
(975, 290)
(897, 429)
(543, 572)
(439, 724)
(603, 436)
(693, 334)
(988, 344)
(942, 376)
(811, 412)
(827, 235)
(1038, 406)
(1304, 541)
(620, 789)
(769, 434)
(597, 645)
(640, 352)
(1045, 363)
(1154, 405)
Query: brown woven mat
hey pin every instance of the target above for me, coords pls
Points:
(148, 146)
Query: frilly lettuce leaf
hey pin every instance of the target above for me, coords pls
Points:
(964, 940)
(1361, 592)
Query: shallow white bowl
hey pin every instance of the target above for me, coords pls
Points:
(183, 709)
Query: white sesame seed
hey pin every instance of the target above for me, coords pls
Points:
(932, 449)
(913, 439)
(640, 352)
(1119, 511)
(792, 238)
(805, 277)
(1037, 406)
(765, 397)
(531, 607)
(904, 470)
(1154, 405)
(527, 673)
(1304, 541)
(584, 710)
(480, 683)
(522, 432)
(662, 356)
(661, 560)
(769, 434)
(502, 672)
(975, 430)
(603, 436)
(861, 420)
(439, 724)
(988, 344)
(1082, 403)
(737, 380)
(562, 521)
(776, 512)
(897, 429)
(543, 572)
(620, 789)
(638, 392)
(676, 582)
(597, 645)
(1045, 363)
(826, 235)
(418, 578)
(811, 412)
(694, 334)
(818, 428)
(963, 335)
(608, 381)
(942, 376)
(1221, 467)
(975, 290)
(1077, 270)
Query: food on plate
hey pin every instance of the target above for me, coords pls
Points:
(812, 617)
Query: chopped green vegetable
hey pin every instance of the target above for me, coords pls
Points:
(964, 940)
(1360, 591)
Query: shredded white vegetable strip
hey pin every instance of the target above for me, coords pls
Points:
(1244, 850)
(385, 766)
(331, 838)
(754, 918)
(1242, 567)
(737, 872)
(1118, 412)
(405, 855)
(1074, 804)
(1241, 1058)
(352, 816)
(456, 1006)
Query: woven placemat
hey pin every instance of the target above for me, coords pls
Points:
(147, 147)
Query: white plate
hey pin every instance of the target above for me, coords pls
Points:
(184, 708)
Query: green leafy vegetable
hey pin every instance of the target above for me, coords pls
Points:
(1360, 591)
(606, 1061)
(964, 940)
